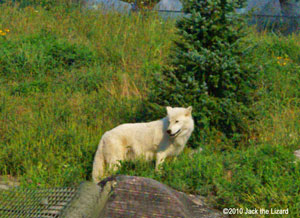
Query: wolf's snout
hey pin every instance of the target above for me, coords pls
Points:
(169, 131)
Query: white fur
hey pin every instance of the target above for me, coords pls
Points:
(157, 139)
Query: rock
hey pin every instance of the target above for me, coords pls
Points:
(269, 7)
(272, 7)
(116, 196)
(143, 197)
(89, 201)
(8, 182)
(171, 5)
(110, 5)
(170, 9)
(266, 13)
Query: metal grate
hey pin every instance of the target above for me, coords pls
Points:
(37, 203)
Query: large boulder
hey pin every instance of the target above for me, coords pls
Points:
(272, 7)
(8, 182)
(271, 14)
(143, 197)
(269, 7)
(170, 5)
(110, 5)
(169, 9)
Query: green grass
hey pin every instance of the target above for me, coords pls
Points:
(65, 78)
(68, 76)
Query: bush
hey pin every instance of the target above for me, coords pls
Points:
(41, 54)
(47, 4)
(207, 70)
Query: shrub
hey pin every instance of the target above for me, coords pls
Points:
(207, 70)
(41, 54)
(47, 4)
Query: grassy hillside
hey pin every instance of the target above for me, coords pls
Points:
(67, 76)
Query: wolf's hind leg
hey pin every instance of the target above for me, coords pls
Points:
(98, 165)
(114, 165)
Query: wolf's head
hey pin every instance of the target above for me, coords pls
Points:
(180, 121)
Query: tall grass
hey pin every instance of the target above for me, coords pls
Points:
(278, 89)
(65, 78)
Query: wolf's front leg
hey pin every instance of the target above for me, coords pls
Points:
(160, 157)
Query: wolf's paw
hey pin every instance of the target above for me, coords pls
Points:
(158, 169)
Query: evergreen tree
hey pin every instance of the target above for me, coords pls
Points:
(207, 70)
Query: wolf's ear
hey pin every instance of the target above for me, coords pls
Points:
(189, 111)
(168, 109)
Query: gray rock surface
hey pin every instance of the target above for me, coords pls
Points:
(269, 13)
(165, 8)
(172, 5)
(116, 196)
(7, 183)
(271, 7)
(110, 5)
(143, 197)
(89, 201)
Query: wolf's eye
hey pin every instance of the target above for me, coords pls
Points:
(176, 121)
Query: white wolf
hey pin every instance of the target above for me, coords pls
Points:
(157, 139)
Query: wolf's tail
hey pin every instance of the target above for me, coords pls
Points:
(98, 165)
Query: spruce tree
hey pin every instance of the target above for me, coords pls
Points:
(207, 70)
